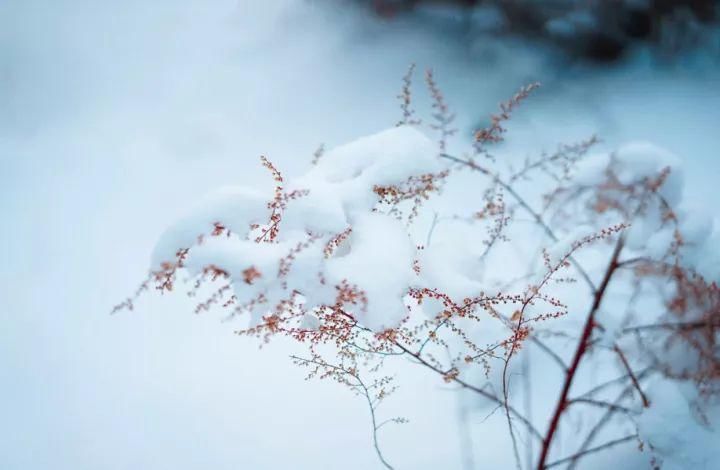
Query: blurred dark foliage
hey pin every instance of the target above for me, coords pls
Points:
(596, 30)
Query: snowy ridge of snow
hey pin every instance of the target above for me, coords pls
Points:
(377, 257)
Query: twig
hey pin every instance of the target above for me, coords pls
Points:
(592, 450)
(604, 420)
(602, 404)
(365, 391)
(524, 204)
(535, 433)
(634, 379)
(610, 383)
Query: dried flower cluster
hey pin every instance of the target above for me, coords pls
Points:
(326, 264)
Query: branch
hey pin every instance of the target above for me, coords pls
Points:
(524, 204)
(535, 433)
(610, 383)
(602, 404)
(681, 326)
(582, 347)
(365, 391)
(576, 456)
(634, 379)
(604, 420)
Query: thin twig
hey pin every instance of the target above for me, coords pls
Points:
(365, 391)
(609, 383)
(535, 433)
(604, 420)
(636, 384)
(602, 404)
(607, 445)
(524, 204)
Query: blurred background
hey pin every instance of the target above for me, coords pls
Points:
(115, 116)
(591, 30)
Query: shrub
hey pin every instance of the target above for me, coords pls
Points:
(572, 261)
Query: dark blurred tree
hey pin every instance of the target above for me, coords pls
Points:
(597, 30)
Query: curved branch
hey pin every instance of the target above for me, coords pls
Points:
(365, 391)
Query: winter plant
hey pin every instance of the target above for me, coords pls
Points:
(580, 271)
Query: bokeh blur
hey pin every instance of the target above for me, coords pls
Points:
(114, 116)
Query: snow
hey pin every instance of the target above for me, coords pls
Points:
(116, 119)
(346, 175)
(590, 171)
(637, 160)
(235, 207)
(377, 257)
(381, 258)
(379, 262)
(452, 268)
(690, 444)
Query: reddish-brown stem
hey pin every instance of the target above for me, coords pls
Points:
(634, 379)
(582, 348)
